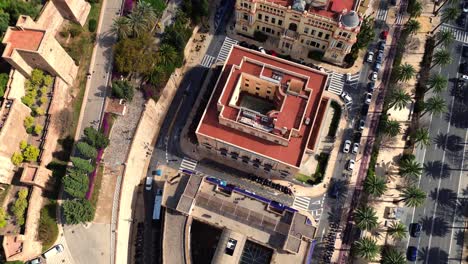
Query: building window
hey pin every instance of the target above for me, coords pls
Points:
(327, 36)
(268, 92)
(323, 47)
(313, 32)
(267, 18)
(246, 85)
(280, 22)
(272, 32)
(246, 17)
(244, 28)
(273, 20)
(339, 45)
(258, 27)
(259, 16)
(306, 30)
(320, 34)
(268, 30)
(257, 88)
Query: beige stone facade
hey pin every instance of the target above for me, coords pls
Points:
(298, 27)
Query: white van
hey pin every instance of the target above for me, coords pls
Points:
(53, 251)
(148, 183)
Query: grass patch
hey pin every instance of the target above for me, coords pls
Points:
(317, 177)
(335, 119)
(302, 177)
(97, 186)
(48, 229)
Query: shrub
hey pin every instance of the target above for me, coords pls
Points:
(39, 111)
(86, 150)
(27, 100)
(82, 165)
(95, 138)
(75, 30)
(28, 121)
(31, 153)
(92, 25)
(335, 119)
(3, 217)
(3, 83)
(23, 193)
(20, 205)
(17, 158)
(260, 36)
(78, 211)
(48, 80)
(38, 129)
(36, 77)
(30, 130)
(315, 55)
(122, 90)
(43, 90)
(48, 229)
(43, 100)
(23, 144)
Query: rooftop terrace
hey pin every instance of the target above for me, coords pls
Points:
(24, 39)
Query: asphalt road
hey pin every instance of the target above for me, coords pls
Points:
(444, 177)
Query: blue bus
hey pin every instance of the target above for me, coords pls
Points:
(157, 204)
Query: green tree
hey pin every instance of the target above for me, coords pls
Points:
(444, 2)
(92, 25)
(38, 129)
(412, 26)
(399, 99)
(413, 196)
(78, 211)
(48, 80)
(397, 230)
(437, 82)
(95, 138)
(39, 111)
(435, 105)
(448, 15)
(393, 256)
(86, 150)
(76, 183)
(442, 58)
(82, 165)
(366, 218)
(444, 37)
(36, 77)
(28, 100)
(131, 55)
(123, 90)
(410, 169)
(374, 185)
(23, 144)
(167, 54)
(405, 72)
(158, 6)
(366, 248)
(391, 128)
(17, 158)
(121, 27)
(145, 10)
(31, 153)
(421, 137)
(3, 218)
(4, 21)
(3, 81)
(138, 24)
(20, 205)
(415, 9)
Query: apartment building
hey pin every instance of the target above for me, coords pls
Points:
(297, 27)
(265, 113)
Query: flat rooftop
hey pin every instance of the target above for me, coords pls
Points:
(24, 39)
(298, 96)
(325, 8)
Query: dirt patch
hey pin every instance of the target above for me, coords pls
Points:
(106, 195)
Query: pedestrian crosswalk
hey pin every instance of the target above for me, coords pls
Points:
(188, 164)
(225, 49)
(382, 12)
(399, 19)
(207, 61)
(338, 81)
(459, 35)
(301, 203)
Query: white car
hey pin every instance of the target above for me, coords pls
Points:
(348, 77)
(148, 183)
(464, 77)
(346, 98)
(347, 146)
(351, 164)
(373, 76)
(53, 251)
(368, 98)
(370, 56)
(262, 50)
(355, 148)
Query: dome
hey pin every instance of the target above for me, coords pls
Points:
(350, 20)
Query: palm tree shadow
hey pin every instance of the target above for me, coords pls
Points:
(448, 142)
(458, 116)
(446, 198)
(437, 169)
(441, 227)
(435, 254)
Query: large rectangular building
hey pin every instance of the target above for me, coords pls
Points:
(296, 27)
(264, 113)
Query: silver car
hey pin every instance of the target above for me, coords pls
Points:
(347, 146)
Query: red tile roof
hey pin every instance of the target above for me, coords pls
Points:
(290, 116)
(26, 39)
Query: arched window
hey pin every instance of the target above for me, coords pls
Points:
(293, 26)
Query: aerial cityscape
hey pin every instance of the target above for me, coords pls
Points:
(233, 131)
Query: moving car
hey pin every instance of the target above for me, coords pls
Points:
(362, 124)
(348, 100)
(373, 76)
(347, 146)
(351, 164)
(412, 253)
(355, 148)
(415, 229)
(370, 56)
(53, 251)
(148, 183)
(368, 98)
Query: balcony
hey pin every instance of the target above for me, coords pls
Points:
(289, 34)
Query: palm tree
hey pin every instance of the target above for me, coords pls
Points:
(405, 72)
(438, 82)
(365, 218)
(444, 37)
(451, 2)
(138, 24)
(398, 99)
(448, 15)
(121, 27)
(412, 26)
(410, 168)
(167, 54)
(435, 105)
(397, 230)
(375, 185)
(442, 58)
(393, 256)
(421, 137)
(391, 128)
(413, 196)
(367, 248)
(416, 11)
(145, 10)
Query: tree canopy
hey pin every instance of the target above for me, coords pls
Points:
(78, 211)
(81, 165)
(131, 54)
(86, 150)
(76, 183)
(95, 138)
(122, 90)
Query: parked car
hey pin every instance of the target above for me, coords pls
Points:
(384, 34)
(351, 164)
(412, 253)
(348, 100)
(148, 183)
(35, 261)
(371, 86)
(355, 148)
(465, 51)
(465, 7)
(415, 229)
(464, 68)
(377, 66)
(373, 76)
(53, 251)
(347, 146)
(368, 98)
(461, 20)
(348, 77)
(362, 124)
(244, 44)
(262, 50)
(379, 57)
(381, 45)
(370, 56)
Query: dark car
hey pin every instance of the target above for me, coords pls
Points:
(415, 229)
(244, 44)
(465, 51)
(393, 2)
(412, 253)
(379, 57)
(334, 190)
(464, 68)
(371, 86)
(461, 20)
(381, 45)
